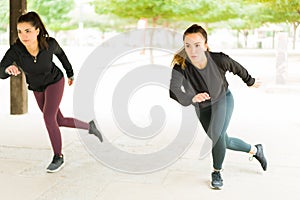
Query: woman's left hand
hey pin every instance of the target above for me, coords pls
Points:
(70, 81)
(257, 83)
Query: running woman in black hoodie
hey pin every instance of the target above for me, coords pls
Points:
(201, 74)
(33, 53)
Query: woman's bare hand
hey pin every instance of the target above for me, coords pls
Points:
(12, 70)
(256, 84)
(200, 97)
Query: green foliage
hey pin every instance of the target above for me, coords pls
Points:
(110, 23)
(205, 11)
(121, 14)
(4, 15)
(277, 11)
(250, 16)
(140, 8)
(211, 11)
(54, 13)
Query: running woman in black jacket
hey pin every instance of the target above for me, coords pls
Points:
(198, 78)
(32, 53)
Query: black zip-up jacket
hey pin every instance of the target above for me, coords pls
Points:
(41, 73)
(186, 83)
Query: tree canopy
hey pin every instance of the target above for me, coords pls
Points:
(54, 13)
(117, 14)
(194, 10)
(139, 8)
(281, 11)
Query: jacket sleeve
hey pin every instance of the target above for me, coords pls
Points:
(9, 58)
(59, 52)
(231, 65)
(177, 84)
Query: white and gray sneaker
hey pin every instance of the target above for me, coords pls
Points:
(216, 180)
(56, 164)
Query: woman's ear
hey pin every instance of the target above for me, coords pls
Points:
(206, 47)
(37, 31)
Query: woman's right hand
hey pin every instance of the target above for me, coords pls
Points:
(198, 98)
(12, 70)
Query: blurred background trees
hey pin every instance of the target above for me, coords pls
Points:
(242, 18)
(55, 13)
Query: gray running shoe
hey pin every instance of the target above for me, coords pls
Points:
(56, 164)
(216, 180)
(93, 130)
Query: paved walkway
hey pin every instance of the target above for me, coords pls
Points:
(269, 115)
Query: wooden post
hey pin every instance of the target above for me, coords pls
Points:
(18, 90)
(282, 58)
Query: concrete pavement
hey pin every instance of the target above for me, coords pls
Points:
(265, 115)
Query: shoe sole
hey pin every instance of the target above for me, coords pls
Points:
(215, 188)
(56, 170)
(100, 137)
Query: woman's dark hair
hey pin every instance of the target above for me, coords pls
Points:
(195, 28)
(180, 57)
(34, 19)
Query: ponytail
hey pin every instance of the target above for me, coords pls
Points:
(179, 58)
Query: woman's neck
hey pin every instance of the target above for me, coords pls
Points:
(33, 49)
(201, 64)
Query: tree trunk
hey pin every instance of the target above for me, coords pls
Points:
(273, 40)
(281, 59)
(154, 22)
(237, 38)
(18, 90)
(295, 26)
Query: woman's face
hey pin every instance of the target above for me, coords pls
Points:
(27, 33)
(195, 46)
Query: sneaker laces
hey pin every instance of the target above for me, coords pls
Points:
(216, 176)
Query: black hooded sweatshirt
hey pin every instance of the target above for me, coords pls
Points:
(186, 83)
(39, 72)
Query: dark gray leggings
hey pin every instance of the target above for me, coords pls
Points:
(48, 102)
(215, 120)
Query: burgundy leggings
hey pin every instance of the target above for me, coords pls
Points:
(48, 101)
